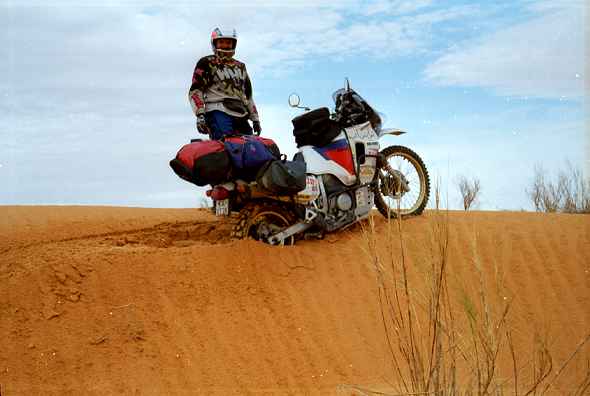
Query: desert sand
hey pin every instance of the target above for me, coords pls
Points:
(111, 300)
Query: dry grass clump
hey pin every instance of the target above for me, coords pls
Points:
(569, 193)
(425, 311)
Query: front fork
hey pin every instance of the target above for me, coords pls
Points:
(394, 183)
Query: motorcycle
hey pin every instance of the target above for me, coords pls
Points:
(344, 172)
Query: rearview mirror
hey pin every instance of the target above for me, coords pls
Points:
(294, 100)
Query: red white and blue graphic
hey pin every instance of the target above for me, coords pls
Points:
(339, 152)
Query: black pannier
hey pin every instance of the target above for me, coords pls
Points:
(282, 177)
(315, 128)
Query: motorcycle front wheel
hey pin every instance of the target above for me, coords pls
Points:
(403, 187)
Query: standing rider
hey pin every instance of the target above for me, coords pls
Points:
(221, 91)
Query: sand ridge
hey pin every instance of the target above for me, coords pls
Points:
(107, 300)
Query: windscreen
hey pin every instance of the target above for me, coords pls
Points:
(360, 103)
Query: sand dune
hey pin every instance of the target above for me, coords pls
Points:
(104, 300)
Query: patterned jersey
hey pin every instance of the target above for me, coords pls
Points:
(222, 84)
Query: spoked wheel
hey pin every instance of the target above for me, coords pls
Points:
(262, 220)
(404, 186)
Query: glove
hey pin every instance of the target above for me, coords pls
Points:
(202, 126)
(256, 127)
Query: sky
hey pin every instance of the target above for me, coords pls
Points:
(93, 95)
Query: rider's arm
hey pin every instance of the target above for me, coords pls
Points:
(252, 111)
(201, 81)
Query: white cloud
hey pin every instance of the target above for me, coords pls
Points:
(395, 7)
(83, 45)
(95, 95)
(543, 57)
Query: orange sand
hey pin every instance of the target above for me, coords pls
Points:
(105, 300)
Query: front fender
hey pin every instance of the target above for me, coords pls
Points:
(392, 131)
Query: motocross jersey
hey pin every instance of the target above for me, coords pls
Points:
(222, 84)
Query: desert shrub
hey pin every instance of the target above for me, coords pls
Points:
(445, 336)
(469, 190)
(569, 192)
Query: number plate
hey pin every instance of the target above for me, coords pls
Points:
(222, 207)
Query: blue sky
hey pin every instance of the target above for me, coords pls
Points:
(93, 96)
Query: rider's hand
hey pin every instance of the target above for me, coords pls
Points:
(256, 127)
(202, 126)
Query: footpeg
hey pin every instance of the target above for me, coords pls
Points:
(279, 238)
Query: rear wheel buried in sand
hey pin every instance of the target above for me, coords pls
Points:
(261, 220)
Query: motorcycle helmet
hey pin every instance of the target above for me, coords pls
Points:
(217, 34)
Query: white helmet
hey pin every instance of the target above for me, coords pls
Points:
(217, 34)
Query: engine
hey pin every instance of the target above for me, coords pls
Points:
(339, 205)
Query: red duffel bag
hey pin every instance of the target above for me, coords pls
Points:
(202, 163)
